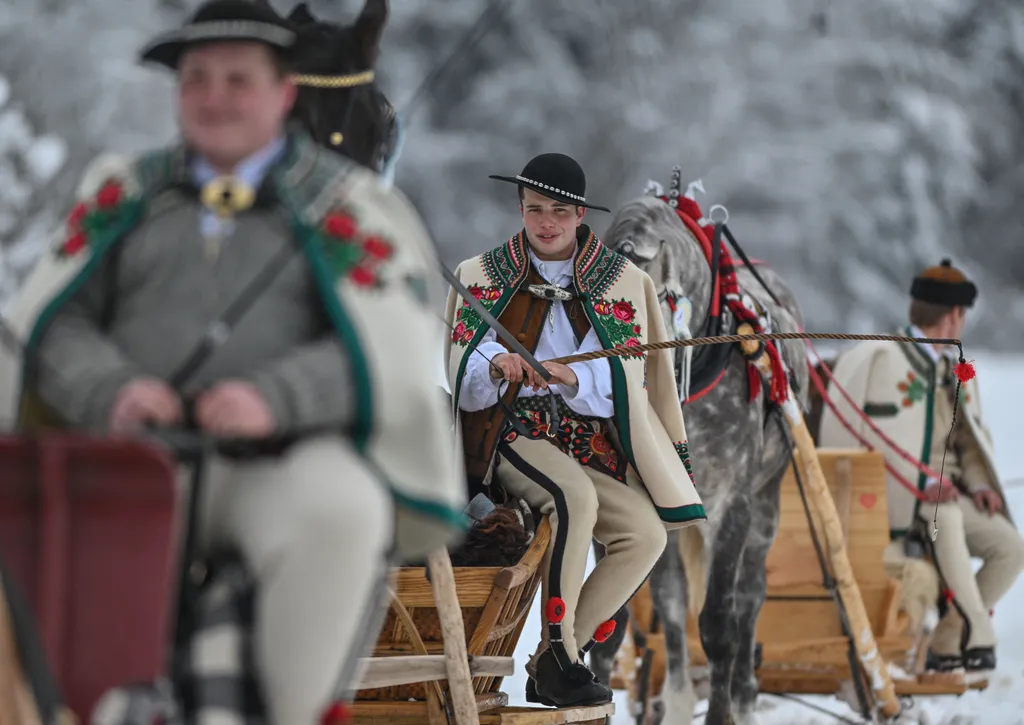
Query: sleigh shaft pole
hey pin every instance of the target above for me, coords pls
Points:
(861, 632)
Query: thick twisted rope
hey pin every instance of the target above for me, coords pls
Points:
(638, 350)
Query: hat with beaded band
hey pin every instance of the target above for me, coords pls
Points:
(944, 285)
(555, 176)
(223, 20)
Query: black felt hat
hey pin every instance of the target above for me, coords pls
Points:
(944, 285)
(220, 20)
(555, 176)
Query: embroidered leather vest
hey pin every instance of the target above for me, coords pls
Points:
(524, 317)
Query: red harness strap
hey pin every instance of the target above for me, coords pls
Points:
(691, 215)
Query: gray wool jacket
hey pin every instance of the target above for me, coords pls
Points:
(164, 290)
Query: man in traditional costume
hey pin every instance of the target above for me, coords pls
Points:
(601, 449)
(308, 289)
(907, 390)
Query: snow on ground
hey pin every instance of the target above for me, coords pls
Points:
(1003, 702)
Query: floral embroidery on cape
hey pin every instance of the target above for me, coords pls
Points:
(88, 217)
(683, 451)
(913, 388)
(351, 253)
(467, 321)
(618, 318)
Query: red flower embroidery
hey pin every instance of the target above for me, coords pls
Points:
(75, 243)
(378, 248)
(632, 342)
(362, 277)
(109, 196)
(636, 329)
(603, 308)
(460, 330)
(477, 292)
(492, 293)
(600, 445)
(623, 311)
(76, 216)
(341, 225)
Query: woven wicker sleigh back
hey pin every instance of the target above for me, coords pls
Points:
(494, 601)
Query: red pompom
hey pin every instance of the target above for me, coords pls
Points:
(554, 610)
(338, 713)
(606, 630)
(964, 371)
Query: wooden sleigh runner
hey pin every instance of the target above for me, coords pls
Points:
(804, 648)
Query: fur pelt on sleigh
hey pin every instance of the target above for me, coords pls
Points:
(499, 535)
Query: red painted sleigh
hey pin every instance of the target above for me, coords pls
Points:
(87, 534)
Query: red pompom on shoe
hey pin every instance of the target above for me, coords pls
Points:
(554, 610)
(338, 713)
(606, 630)
(964, 371)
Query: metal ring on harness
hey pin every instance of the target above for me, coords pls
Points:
(711, 214)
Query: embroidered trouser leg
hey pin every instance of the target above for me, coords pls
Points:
(315, 526)
(964, 532)
(582, 504)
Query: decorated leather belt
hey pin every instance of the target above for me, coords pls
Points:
(583, 437)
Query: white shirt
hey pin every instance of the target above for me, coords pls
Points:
(591, 396)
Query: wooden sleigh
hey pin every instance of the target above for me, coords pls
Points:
(485, 609)
(87, 532)
(804, 648)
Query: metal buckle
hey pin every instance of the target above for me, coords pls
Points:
(550, 292)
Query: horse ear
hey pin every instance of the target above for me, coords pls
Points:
(369, 28)
(301, 15)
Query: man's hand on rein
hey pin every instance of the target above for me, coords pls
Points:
(515, 369)
(561, 374)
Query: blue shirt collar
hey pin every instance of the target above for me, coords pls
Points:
(251, 170)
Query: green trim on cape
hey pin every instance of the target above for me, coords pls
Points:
(682, 513)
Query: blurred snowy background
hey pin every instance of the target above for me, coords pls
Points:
(853, 143)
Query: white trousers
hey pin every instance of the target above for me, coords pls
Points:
(314, 527)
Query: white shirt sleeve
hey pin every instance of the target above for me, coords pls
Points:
(593, 392)
(479, 390)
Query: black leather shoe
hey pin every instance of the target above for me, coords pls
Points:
(532, 696)
(575, 686)
(979, 659)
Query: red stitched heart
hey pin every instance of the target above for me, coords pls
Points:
(868, 500)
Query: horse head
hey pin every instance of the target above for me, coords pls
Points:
(339, 102)
(649, 233)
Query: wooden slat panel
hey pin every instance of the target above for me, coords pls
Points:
(473, 585)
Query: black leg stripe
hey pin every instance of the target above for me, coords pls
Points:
(557, 546)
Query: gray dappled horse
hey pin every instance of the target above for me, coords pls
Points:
(739, 454)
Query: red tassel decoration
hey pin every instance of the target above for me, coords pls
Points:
(964, 371)
(754, 380)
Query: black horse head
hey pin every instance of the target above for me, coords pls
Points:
(339, 103)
